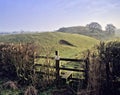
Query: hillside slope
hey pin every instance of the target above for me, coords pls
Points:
(69, 45)
(97, 34)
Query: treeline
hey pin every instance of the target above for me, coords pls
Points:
(93, 29)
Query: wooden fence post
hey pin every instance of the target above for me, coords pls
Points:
(86, 71)
(57, 59)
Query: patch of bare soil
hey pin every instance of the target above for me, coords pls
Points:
(64, 42)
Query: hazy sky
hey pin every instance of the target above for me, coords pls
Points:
(43, 15)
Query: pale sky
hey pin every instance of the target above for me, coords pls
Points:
(49, 15)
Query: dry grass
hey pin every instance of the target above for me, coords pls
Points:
(94, 81)
(10, 85)
(31, 91)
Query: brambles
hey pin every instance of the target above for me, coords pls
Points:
(17, 61)
(104, 67)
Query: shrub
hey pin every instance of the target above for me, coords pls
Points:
(17, 62)
(110, 54)
(104, 67)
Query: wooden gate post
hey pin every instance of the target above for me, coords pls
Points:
(86, 71)
(57, 59)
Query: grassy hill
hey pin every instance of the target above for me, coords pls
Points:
(97, 34)
(69, 45)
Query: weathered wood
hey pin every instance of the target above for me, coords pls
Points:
(44, 57)
(76, 79)
(57, 68)
(70, 69)
(38, 72)
(75, 60)
(86, 70)
(62, 59)
(60, 68)
(66, 75)
(39, 65)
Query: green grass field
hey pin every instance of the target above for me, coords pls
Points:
(49, 42)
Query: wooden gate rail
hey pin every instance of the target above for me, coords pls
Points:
(61, 68)
(62, 59)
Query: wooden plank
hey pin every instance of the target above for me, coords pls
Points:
(50, 74)
(70, 69)
(76, 79)
(68, 59)
(62, 59)
(61, 68)
(37, 65)
(44, 57)
(66, 75)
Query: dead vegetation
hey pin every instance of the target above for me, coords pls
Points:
(103, 69)
(10, 85)
(31, 91)
(17, 61)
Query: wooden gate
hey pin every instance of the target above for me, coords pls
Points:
(69, 70)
